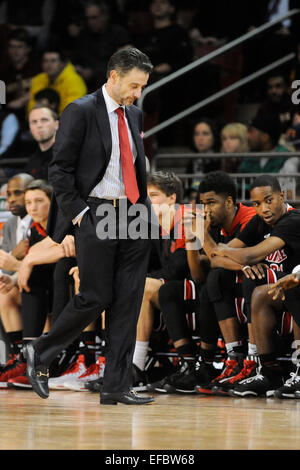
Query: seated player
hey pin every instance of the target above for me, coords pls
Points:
(272, 238)
(34, 275)
(165, 191)
(271, 307)
(224, 220)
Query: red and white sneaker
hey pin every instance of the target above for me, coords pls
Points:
(248, 370)
(19, 382)
(95, 371)
(14, 367)
(231, 368)
(75, 370)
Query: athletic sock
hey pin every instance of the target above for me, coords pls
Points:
(252, 349)
(140, 354)
(235, 347)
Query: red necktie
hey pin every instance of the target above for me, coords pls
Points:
(129, 176)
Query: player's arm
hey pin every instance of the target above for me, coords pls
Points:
(227, 263)
(250, 255)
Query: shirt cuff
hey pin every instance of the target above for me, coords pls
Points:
(75, 220)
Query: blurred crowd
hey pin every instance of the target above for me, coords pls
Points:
(55, 52)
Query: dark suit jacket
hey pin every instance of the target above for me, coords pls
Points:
(81, 155)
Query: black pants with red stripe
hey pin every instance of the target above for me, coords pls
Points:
(187, 311)
(224, 289)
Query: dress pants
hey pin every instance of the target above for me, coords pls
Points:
(112, 275)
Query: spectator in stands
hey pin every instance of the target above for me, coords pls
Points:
(59, 74)
(18, 72)
(271, 237)
(166, 59)
(278, 100)
(290, 184)
(43, 124)
(165, 32)
(205, 139)
(34, 16)
(165, 191)
(187, 17)
(96, 42)
(234, 139)
(67, 21)
(14, 247)
(49, 98)
(263, 136)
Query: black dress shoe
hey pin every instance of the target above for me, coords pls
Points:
(127, 398)
(37, 373)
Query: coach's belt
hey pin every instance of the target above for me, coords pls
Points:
(98, 200)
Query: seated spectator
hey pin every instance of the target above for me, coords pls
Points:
(234, 139)
(278, 101)
(169, 100)
(49, 98)
(292, 165)
(96, 42)
(272, 238)
(263, 136)
(165, 192)
(43, 124)
(59, 74)
(20, 68)
(34, 16)
(205, 140)
(165, 32)
(67, 21)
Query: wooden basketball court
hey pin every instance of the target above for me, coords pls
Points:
(75, 421)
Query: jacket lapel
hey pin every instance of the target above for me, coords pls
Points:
(103, 123)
